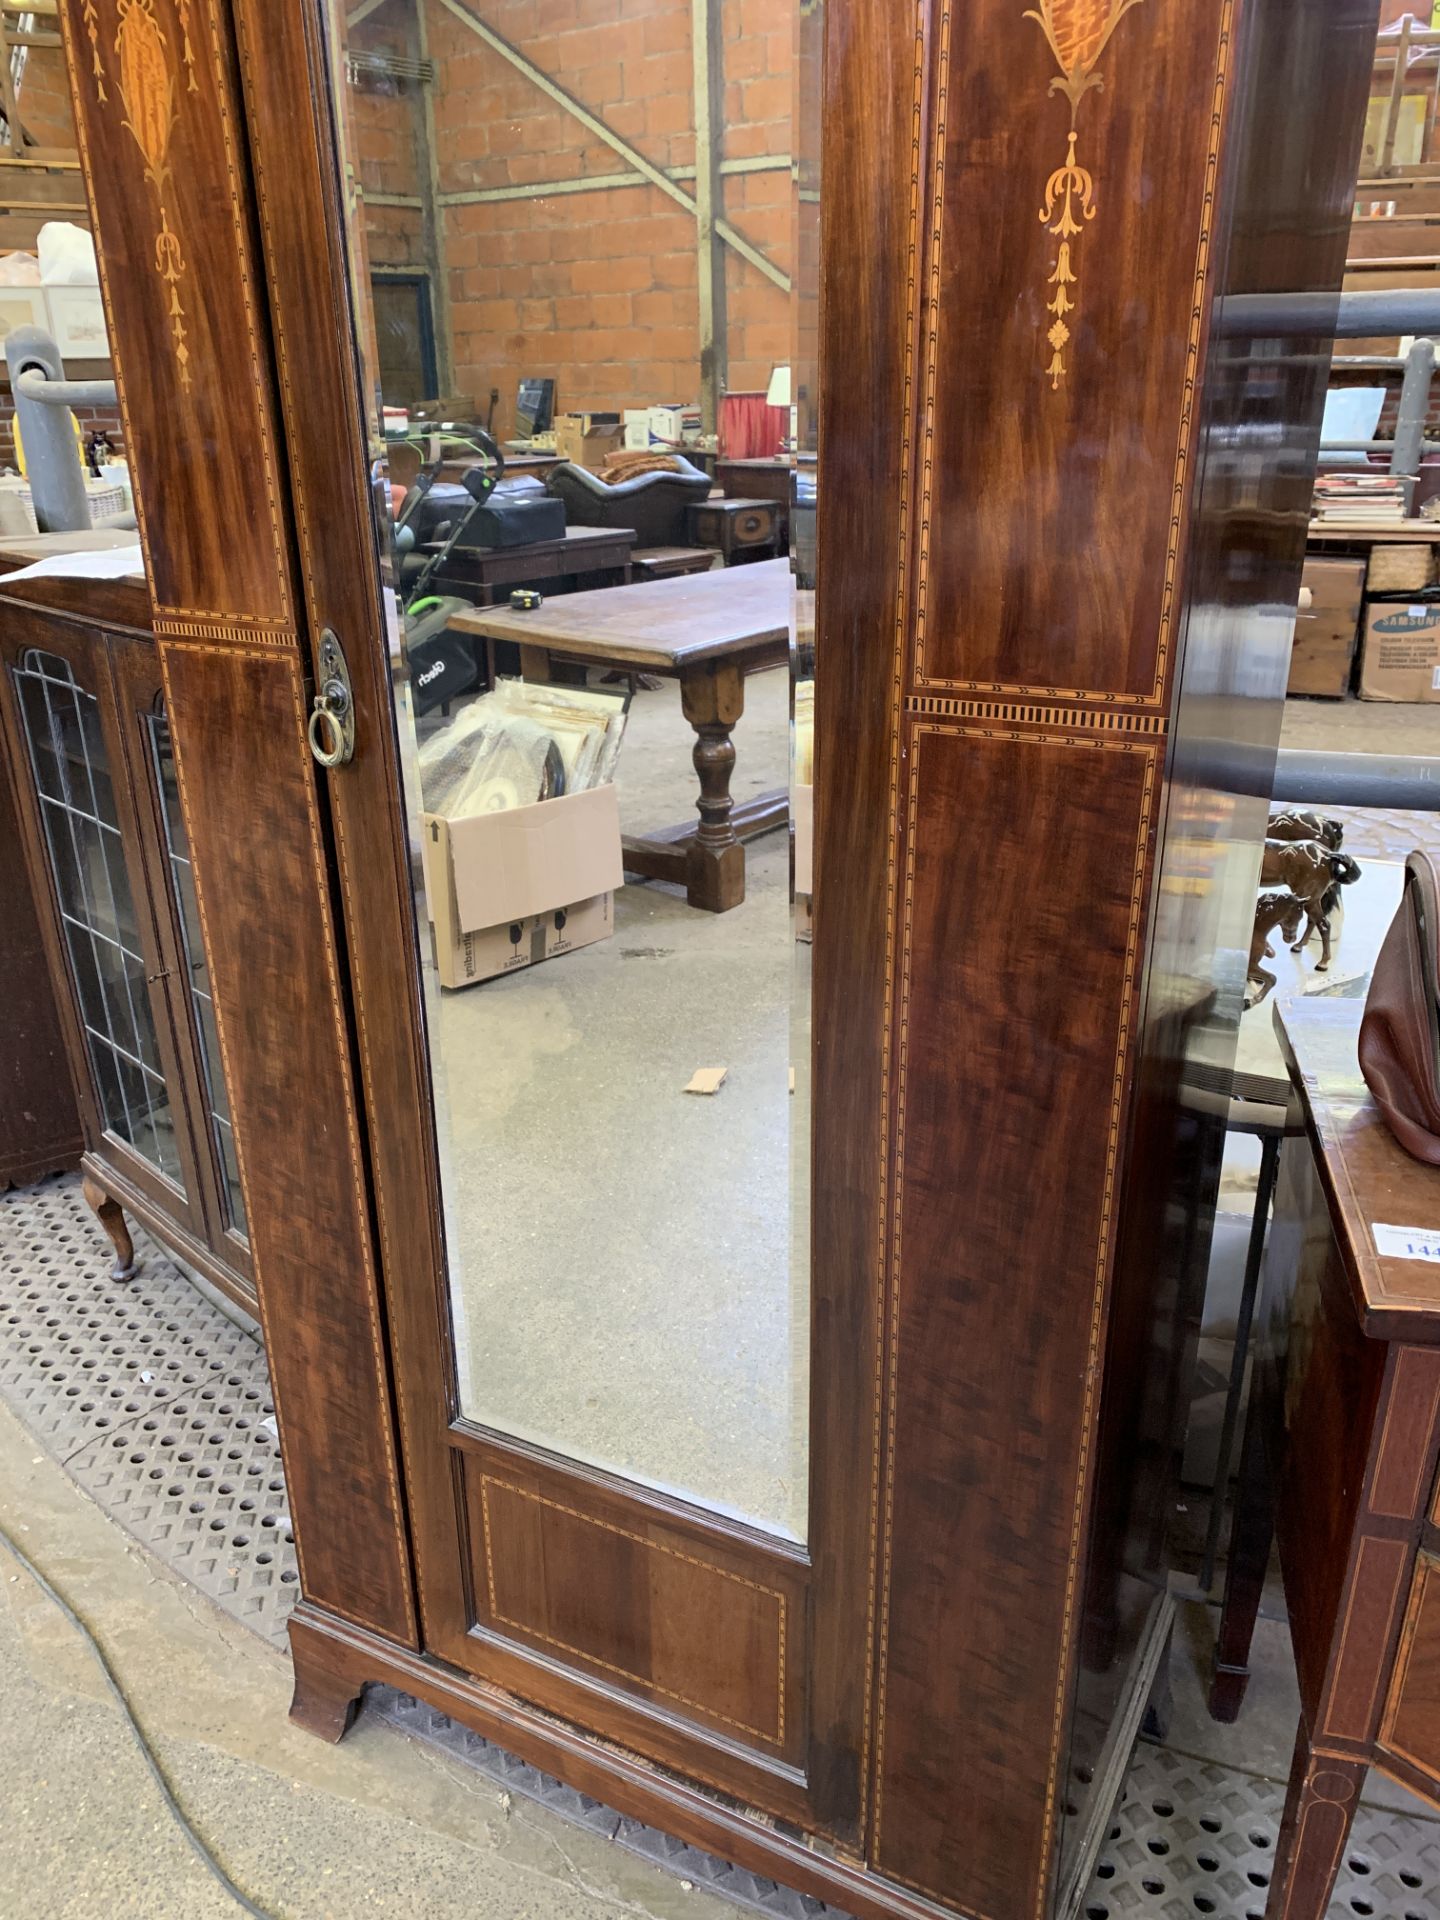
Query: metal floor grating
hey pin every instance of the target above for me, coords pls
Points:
(1191, 1839)
(158, 1404)
(152, 1398)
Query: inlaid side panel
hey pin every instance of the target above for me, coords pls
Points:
(156, 120)
(1069, 255)
(1372, 1608)
(282, 1041)
(1334, 1383)
(1015, 1001)
(1406, 1451)
(874, 120)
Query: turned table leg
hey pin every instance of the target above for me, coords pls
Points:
(1319, 1809)
(112, 1219)
(712, 697)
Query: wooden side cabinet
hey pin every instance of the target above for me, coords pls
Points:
(1341, 1451)
(93, 776)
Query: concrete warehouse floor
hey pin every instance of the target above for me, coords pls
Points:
(380, 1825)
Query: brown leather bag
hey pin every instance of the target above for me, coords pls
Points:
(1400, 1033)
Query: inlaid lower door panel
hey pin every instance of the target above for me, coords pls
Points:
(1015, 1009)
(607, 1602)
(1411, 1729)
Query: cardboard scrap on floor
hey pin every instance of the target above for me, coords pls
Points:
(707, 1080)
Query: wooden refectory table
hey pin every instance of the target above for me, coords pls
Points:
(1340, 1455)
(708, 631)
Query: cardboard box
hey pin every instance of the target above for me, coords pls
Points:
(803, 812)
(1400, 657)
(802, 805)
(507, 889)
(1326, 633)
(665, 427)
(671, 426)
(588, 439)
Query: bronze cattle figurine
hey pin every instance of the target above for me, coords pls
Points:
(1306, 826)
(1314, 874)
(1272, 910)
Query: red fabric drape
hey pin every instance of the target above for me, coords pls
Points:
(749, 430)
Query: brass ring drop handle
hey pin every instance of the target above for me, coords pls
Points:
(331, 729)
(326, 724)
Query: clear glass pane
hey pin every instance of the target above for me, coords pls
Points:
(182, 883)
(609, 434)
(72, 774)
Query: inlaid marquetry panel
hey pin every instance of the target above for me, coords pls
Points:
(700, 1629)
(267, 920)
(163, 151)
(1014, 1010)
(1058, 408)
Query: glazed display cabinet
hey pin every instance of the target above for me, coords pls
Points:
(92, 770)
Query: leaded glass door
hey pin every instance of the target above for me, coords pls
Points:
(94, 772)
(67, 724)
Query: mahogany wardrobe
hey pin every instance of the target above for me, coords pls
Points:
(1062, 490)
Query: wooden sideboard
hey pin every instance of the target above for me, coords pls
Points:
(102, 849)
(1340, 1458)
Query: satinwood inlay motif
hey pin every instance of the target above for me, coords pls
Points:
(1078, 32)
(147, 88)
(147, 92)
(92, 29)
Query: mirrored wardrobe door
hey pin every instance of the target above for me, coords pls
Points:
(582, 443)
(597, 765)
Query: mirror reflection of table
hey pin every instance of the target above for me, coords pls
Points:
(708, 631)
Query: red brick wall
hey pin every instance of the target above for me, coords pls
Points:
(597, 290)
(385, 129)
(44, 98)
